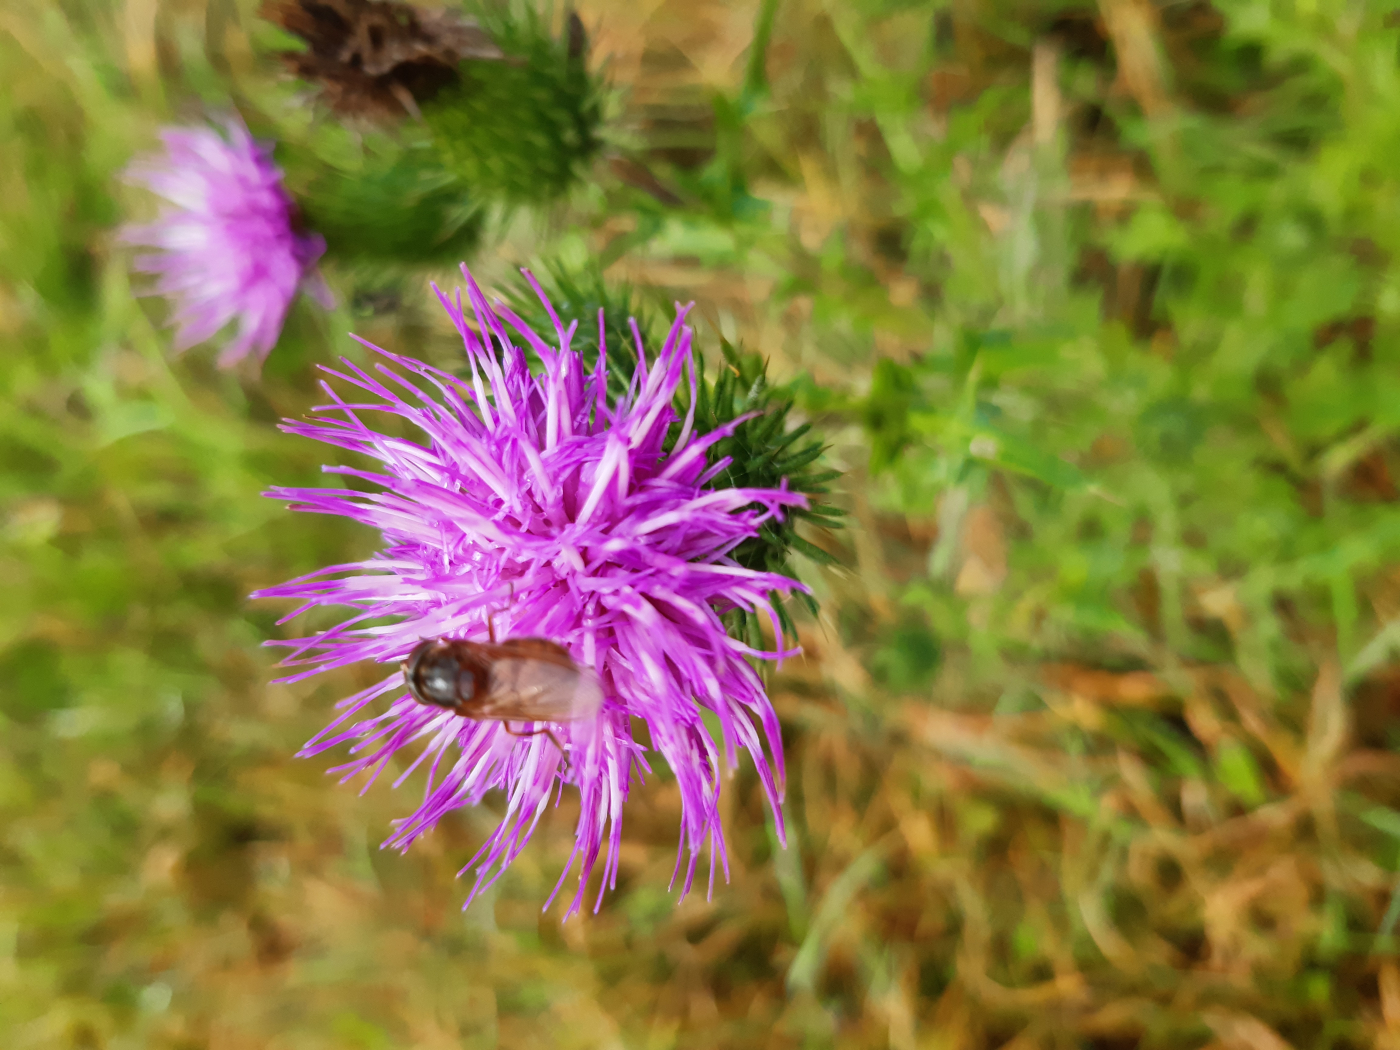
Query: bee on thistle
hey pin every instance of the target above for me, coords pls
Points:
(529, 680)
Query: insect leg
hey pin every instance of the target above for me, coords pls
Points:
(547, 732)
(491, 617)
(536, 732)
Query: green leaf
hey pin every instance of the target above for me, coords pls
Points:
(1238, 772)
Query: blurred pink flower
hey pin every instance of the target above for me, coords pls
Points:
(229, 248)
(534, 502)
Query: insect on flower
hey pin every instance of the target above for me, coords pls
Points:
(518, 680)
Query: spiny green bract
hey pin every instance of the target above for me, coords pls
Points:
(523, 129)
(763, 450)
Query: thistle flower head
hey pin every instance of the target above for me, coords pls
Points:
(537, 506)
(228, 248)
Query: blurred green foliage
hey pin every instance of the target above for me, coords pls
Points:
(390, 207)
(1182, 390)
(1095, 742)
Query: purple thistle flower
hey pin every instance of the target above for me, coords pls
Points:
(536, 507)
(229, 249)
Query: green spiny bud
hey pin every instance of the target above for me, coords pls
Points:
(522, 129)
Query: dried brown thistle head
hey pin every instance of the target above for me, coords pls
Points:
(378, 58)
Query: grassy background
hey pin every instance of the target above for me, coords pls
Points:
(1094, 744)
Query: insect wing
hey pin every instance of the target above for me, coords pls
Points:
(588, 694)
(532, 689)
